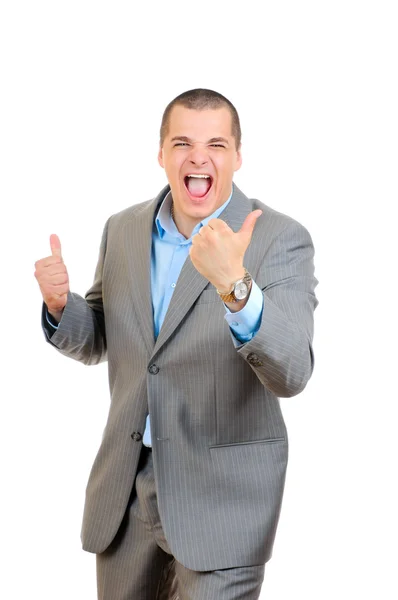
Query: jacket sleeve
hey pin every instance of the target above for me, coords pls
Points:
(81, 331)
(281, 351)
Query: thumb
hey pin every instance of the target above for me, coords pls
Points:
(55, 246)
(250, 221)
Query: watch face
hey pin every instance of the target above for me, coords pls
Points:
(241, 290)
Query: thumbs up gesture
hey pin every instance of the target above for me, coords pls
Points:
(218, 253)
(52, 277)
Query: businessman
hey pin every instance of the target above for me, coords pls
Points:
(202, 303)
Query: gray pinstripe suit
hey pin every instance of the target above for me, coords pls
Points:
(219, 440)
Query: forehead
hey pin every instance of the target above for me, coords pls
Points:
(200, 124)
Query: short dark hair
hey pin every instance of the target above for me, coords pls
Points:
(202, 99)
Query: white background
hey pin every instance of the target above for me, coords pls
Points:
(83, 88)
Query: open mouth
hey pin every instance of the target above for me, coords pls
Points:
(198, 185)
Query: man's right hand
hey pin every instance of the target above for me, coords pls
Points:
(52, 277)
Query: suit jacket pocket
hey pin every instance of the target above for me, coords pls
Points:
(274, 440)
(248, 482)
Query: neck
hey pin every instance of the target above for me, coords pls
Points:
(185, 227)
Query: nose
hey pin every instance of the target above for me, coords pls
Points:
(198, 155)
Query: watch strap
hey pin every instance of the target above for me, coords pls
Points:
(230, 296)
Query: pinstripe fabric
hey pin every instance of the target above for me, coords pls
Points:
(219, 440)
(139, 564)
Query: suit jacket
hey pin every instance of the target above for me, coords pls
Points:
(220, 445)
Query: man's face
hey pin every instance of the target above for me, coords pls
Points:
(199, 142)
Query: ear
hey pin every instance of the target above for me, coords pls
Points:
(238, 162)
(160, 157)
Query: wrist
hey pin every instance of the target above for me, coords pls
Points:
(240, 289)
(225, 285)
(238, 304)
(56, 315)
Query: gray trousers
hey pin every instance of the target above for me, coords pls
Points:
(139, 565)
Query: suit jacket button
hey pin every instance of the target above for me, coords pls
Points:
(154, 369)
(136, 436)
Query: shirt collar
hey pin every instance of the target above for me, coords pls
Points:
(165, 223)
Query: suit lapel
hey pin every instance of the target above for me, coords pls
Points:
(138, 243)
(190, 283)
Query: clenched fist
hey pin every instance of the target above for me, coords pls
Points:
(218, 253)
(52, 277)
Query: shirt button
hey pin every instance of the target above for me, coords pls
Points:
(154, 369)
(235, 323)
(173, 285)
(136, 436)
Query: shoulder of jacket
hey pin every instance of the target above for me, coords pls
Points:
(121, 217)
(130, 211)
(274, 219)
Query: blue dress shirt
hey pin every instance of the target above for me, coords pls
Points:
(170, 249)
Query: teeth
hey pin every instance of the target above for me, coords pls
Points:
(198, 176)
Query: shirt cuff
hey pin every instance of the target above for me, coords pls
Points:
(50, 321)
(245, 323)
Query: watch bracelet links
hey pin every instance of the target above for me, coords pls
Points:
(229, 296)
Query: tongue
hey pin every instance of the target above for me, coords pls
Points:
(198, 187)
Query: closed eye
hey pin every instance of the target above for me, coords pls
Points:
(212, 145)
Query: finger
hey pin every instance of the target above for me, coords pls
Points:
(250, 221)
(55, 269)
(218, 225)
(55, 246)
(60, 279)
(195, 239)
(47, 262)
(59, 290)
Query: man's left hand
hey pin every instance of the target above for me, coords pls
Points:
(217, 252)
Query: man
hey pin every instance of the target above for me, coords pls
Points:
(203, 305)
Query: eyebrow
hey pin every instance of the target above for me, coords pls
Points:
(184, 138)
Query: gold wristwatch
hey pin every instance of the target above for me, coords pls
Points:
(239, 291)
